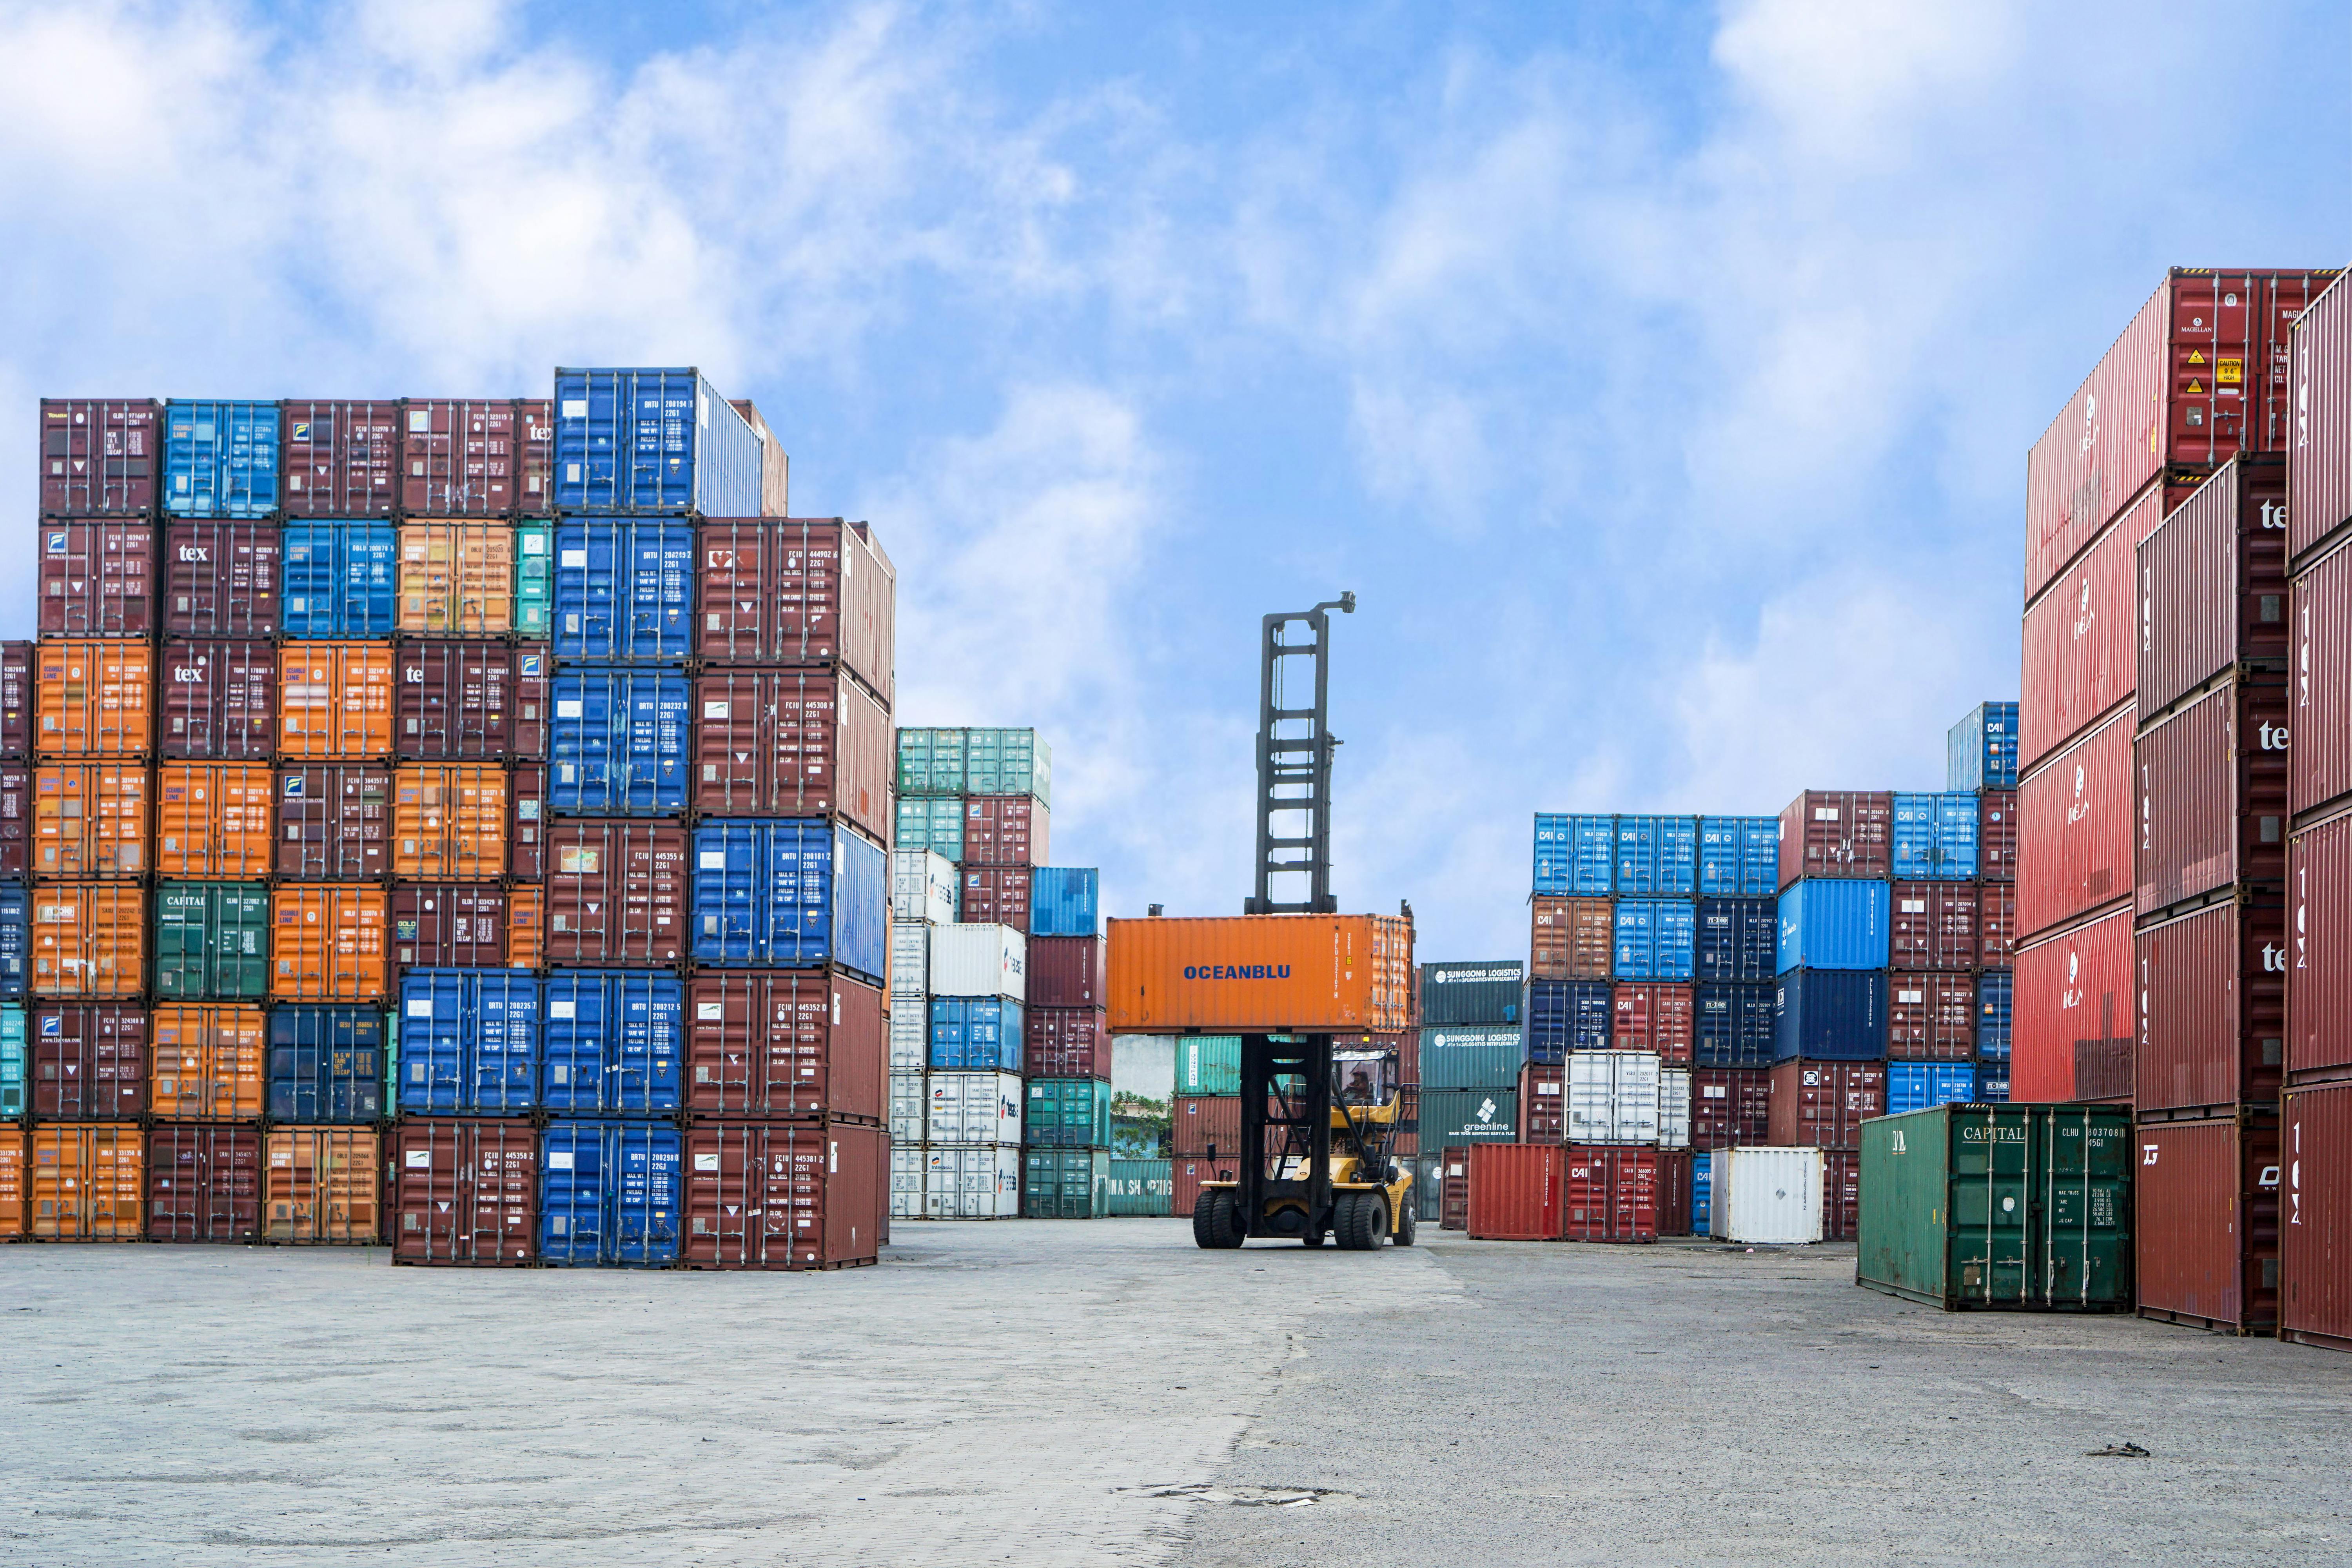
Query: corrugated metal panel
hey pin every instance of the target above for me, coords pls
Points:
(1067, 1112)
(622, 742)
(2079, 638)
(1141, 1188)
(2205, 1228)
(534, 589)
(784, 893)
(342, 579)
(212, 939)
(2319, 454)
(1657, 857)
(1484, 991)
(932, 762)
(1765, 1195)
(2319, 953)
(1830, 1015)
(972, 1184)
(327, 1063)
(1738, 939)
(1934, 926)
(1008, 762)
(1065, 1042)
(15, 812)
(19, 696)
(457, 579)
(1201, 1122)
(203, 1182)
(89, 819)
(2212, 583)
(1465, 1057)
(468, 1041)
(96, 579)
(1542, 1108)
(789, 742)
(1836, 833)
(2316, 1217)
(930, 821)
(1610, 1195)
(1822, 1104)
(100, 456)
(974, 958)
(219, 698)
(16, 938)
(461, 458)
(342, 458)
(220, 458)
(1575, 856)
(1065, 970)
(1261, 972)
(652, 441)
(612, 1040)
(1652, 1018)
(97, 699)
(1566, 1015)
(455, 925)
(2075, 1016)
(1996, 924)
(1065, 902)
(975, 1033)
(1738, 857)
(1834, 923)
(1915, 1086)
(1514, 1192)
(922, 886)
(1573, 938)
(88, 1183)
(1065, 1183)
(1005, 830)
(89, 938)
(465, 1193)
(610, 1192)
(89, 1060)
(1994, 992)
(2321, 683)
(975, 1107)
(769, 1196)
(449, 821)
(335, 701)
(207, 1062)
(1935, 838)
(784, 1044)
(1997, 835)
(334, 823)
(1654, 938)
(1980, 750)
(623, 588)
(12, 1061)
(2212, 1007)
(1730, 1105)
(798, 591)
(221, 578)
(1736, 1024)
(1931, 1017)
(1612, 1097)
(330, 942)
(323, 1186)
(2212, 783)
(2075, 829)
(1449, 1117)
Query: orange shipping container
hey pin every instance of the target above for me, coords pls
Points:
(334, 701)
(89, 819)
(526, 925)
(449, 822)
(89, 938)
(1251, 973)
(457, 579)
(207, 1062)
(328, 942)
(89, 1181)
(323, 1186)
(212, 820)
(96, 699)
(12, 1183)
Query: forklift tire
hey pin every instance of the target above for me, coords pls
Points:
(1405, 1223)
(1361, 1221)
(1214, 1222)
(1312, 1239)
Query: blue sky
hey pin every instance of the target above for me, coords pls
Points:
(1659, 377)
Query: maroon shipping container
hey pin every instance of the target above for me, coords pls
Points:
(1730, 1106)
(2319, 454)
(2073, 1017)
(1203, 1120)
(1066, 972)
(87, 1061)
(470, 700)
(1004, 830)
(100, 456)
(97, 579)
(1841, 1195)
(335, 822)
(1934, 926)
(998, 894)
(1543, 1106)
(783, 1043)
(1454, 1189)
(2321, 684)
(465, 1192)
(2212, 796)
(1822, 1105)
(203, 1181)
(1997, 835)
(2213, 1009)
(2080, 660)
(782, 1194)
(220, 699)
(2319, 953)
(2212, 584)
(1996, 924)
(775, 464)
(798, 591)
(1652, 1017)
(616, 891)
(2205, 1232)
(1931, 1017)
(2316, 1217)
(1186, 1176)
(221, 579)
(1064, 1042)
(449, 925)
(1836, 833)
(791, 743)
(1674, 1192)
(17, 692)
(1608, 1193)
(2198, 376)
(342, 457)
(460, 458)
(1516, 1191)
(1572, 939)
(2075, 830)
(535, 486)
(15, 819)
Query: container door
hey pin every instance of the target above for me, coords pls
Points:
(1993, 1172)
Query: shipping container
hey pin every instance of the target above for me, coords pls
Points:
(1276, 973)
(1543, 1108)
(19, 698)
(772, 1043)
(1822, 1104)
(220, 458)
(1830, 1015)
(1931, 1017)
(329, 942)
(775, 471)
(1996, 924)
(2212, 782)
(2079, 639)
(1453, 1188)
(2319, 453)
(449, 821)
(208, 1062)
(462, 457)
(1611, 1097)
(1464, 1058)
(1140, 1189)
(779, 1195)
(1916, 1086)
(212, 941)
(534, 581)
(1980, 750)
(1835, 923)
(1567, 1015)
(910, 960)
(89, 938)
(465, 1192)
(1654, 1017)
(1574, 939)
(1934, 838)
(2073, 1015)
(97, 699)
(342, 458)
(1067, 1112)
(220, 579)
(335, 701)
(1737, 939)
(2212, 1009)
(790, 894)
(1765, 1196)
(1008, 763)
(624, 589)
(1673, 1108)
(13, 1060)
(15, 939)
(1730, 1105)
(87, 1181)
(923, 887)
(2319, 951)
(2321, 684)
(976, 1107)
(334, 823)
(1208, 1065)
(930, 821)
(15, 1182)
(1065, 970)
(1065, 902)
(1837, 833)
(610, 1194)
(219, 700)
(214, 820)
(622, 742)
(1657, 857)
(799, 590)
(2205, 1226)
(470, 1041)
(652, 441)
(2075, 829)
(907, 1105)
(1997, 835)
(1610, 1195)
(612, 1041)
(1654, 939)
(981, 1182)
(1064, 1042)
(89, 819)
(1471, 993)
(975, 1033)
(1738, 857)
(1576, 857)
(932, 762)
(1933, 926)
(1994, 992)
(453, 925)
(96, 579)
(1516, 1191)
(617, 891)
(998, 893)
(203, 1182)
(471, 701)
(16, 821)
(100, 456)
(457, 579)
(1451, 1116)
(327, 1063)
(1735, 1026)
(342, 579)
(2212, 584)
(2316, 1217)
(788, 742)
(1065, 1183)
(89, 1061)
(1208, 1125)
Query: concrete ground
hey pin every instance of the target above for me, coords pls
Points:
(1045, 1393)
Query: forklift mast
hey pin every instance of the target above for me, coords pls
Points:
(1294, 760)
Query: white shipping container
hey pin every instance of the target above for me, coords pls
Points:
(1763, 1194)
(1612, 1098)
(973, 1108)
(911, 1035)
(972, 1184)
(910, 960)
(907, 1183)
(910, 1107)
(924, 886)
(1673, 1108)
(972, 959)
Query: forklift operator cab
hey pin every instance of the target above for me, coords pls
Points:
(1318, 1126)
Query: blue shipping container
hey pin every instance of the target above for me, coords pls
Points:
(1992, 1083)
(1065, 900)
(1833, 923)
(610, 1192)
(623, 742)
(1980, 750)
(1654, 939)
(933, 823)
(790, 893)
(468, 1041)
(341, 579)
(612, 1040)
(327, 1063)
(1829, 1016)
(1702, 1183)
(1935, 838)
(975, 1033)
(1995, 988)
(1565, 1016)
(1657, 855)
(1576, 857)
(1738, 939)
(1733, 1024)
(16, 937)
(1916, 1086)
(625, 588)
(220, 460)
(652, 442)
(1738, 857)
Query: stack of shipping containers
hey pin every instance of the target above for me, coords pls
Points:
(1734, 964)
(1205, 1116)
(1066, 1051)
(1937, 906)
(1980, 759)
(924, 889)
(1474, 1070)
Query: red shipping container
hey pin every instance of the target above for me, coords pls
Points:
(2198, 376)
(465, 1192)
(1652, 1017)
(1066, 972)
(2319, 454)
(100, 456)
(1186, 1176)
(1572, 939)
(334, 823)
(1837, 833)
(775, 465)
(1064, 1042)
(1516, 1191)
(221, 578)
(791, 743)
(2212, 796)
(798, 591)
(2212, 584)
(1931, 1017)
(89, 1060)
(1996, 925)
(1997, 835)
(2319, 953)
(1730, 1106)
(97, 579)
(2213, 1009)
(2071, 1018)
(784, 1043)
(781, 1194)
(2205, 1232)
(2075, 830)
(527, 822)
(1841, 1195)
(2316, 1217)
(1206, 1121)
(470, 700)
(1543, 1109)
(2081, 639)
(1934, 926)
(1822, 1105)
(203, 1181)
(220, 699)
(16, 693)
(450, 925)
(616, 891)
(459, 458)
(15, 820)
(997, 894)
(341, 457)
(1004, 830)
(1674, 1192)
(2321, 684)
(1454, 1189)
(1610, 1192)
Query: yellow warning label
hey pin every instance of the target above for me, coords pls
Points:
(2196, 356)
(2231, 370)
(2196, 386)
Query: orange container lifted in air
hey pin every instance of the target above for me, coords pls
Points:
(329, 941)
(207, 1062)
(1260, 975)
(335, 701)
(213, 820)
(89, 1181)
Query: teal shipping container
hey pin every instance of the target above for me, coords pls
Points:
(1142, 1189)
(1065, 1183)
(1208, 1064)
(1008, 762)
(1068, 1113)
(930, 763)
(1453, 1118)
(212, 941)
(534, 590)
(930, 821)
(11, 1061)
(1467, 1059)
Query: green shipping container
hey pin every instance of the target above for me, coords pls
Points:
(933, 823)
(930, 762)
(534, 590)
(212, 941)
(1208, 1064)
(1067, 1112)
(12, 1066)
(2020, 1206)
(1065, 1183)
(1008, 762)
(1458, 1116)
(1141, 1188)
